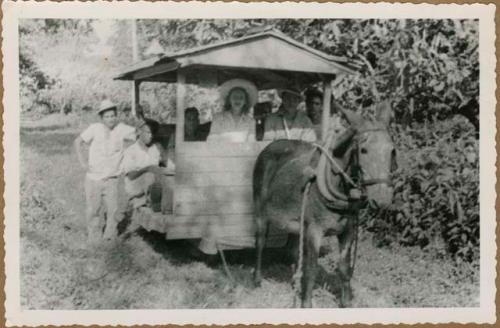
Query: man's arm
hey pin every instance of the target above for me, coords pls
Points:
(309, 135)
(78, 143)
(134, 174)
(269, 133)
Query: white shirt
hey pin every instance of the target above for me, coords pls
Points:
(106, 148)
(225, 127)
(137, 157)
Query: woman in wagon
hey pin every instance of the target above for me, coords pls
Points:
(289, 122)
(234, 123)
(106, 140)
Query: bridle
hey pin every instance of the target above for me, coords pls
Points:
(363, 177)
(337, 200)
(360, 180)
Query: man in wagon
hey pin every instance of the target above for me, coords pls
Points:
(314, 110)
(106, 140)
(289, 122)
(142, 165)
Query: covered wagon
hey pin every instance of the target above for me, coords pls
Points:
(212, 184)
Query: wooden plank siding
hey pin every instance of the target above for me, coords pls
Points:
(213, 191)
(222, 226)
(213, 194)
(200, 164)
(211, 208)
(221, 149)
(207, 179)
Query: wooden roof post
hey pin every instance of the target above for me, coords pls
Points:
(180, 107)
(327, 100)
(136, 98)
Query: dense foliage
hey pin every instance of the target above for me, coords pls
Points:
(428, 69)
(436, 191)
(64, 66)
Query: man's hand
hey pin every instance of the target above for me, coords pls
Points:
(154, 169)
(79, 152)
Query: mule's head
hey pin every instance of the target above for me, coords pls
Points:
(374, 154)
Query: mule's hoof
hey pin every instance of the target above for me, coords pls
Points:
(345, 304)
(306, 304)
(346, 298)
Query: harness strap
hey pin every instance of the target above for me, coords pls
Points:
(332, 198)
(324, 152)
(370, 182)
(287, 130)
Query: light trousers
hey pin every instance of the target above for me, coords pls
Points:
(102, 197)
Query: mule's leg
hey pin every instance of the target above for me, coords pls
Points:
(346, 239)
(291, 255)
(312, 243)
(260, 240)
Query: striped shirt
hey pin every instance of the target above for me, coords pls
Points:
(278, 127)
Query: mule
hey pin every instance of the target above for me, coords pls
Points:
(363, 153)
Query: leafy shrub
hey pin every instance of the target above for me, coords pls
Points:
(436, 191)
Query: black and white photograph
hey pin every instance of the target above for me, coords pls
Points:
(205, 163)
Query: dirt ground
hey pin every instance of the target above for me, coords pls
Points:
(58, 271)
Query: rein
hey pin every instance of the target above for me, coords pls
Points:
(327, 191)
(335, 199)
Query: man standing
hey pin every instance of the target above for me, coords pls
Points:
(106, 145)
(288, 122)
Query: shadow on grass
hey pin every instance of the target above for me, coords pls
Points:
(277, 264)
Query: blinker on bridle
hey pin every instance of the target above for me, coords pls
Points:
(361, 173)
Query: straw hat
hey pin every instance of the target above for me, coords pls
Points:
(249, 87)
(105, 105)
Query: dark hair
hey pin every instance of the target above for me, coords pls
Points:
(227, 104)
(107, 110)
(191, 110)
(313, 93)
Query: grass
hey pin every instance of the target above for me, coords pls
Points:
(147, 272)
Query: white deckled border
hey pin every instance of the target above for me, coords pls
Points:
(13, 11)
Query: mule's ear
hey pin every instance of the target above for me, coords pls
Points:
(353, 118)
(384, 112)
(342, 142)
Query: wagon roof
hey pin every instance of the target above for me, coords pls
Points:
(269, 58)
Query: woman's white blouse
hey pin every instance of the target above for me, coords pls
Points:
(227, 127)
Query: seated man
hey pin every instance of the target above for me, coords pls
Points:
(191, 124)
(141, 166)
(289, 122)
(191, 133)
(314, 110)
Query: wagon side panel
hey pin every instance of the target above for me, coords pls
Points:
(213, 193)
